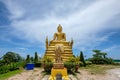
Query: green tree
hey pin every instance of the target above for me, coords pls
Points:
(10, 57)
(32, 59)
(104, 54)
(99, 54)
(82, 58)
(100, 58)
(2, 62)
(28, 59)
(36, 58)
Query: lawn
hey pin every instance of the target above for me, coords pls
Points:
(9, 74)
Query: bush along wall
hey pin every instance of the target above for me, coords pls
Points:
(70, 66)
(11, 67)
(38, 64)
(48, 66)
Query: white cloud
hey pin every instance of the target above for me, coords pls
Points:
(22, 48)
(111, 48)
(113, 51)
(83, 24)
(15, 9)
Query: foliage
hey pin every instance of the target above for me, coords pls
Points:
(10, 57)
(71, 59)
(88, 62)
(46, 59)
(82, 58)
(100, 58)
(69, 65)
(73, 64)
(2, 62)
(48, 66)
(11, 61)
(38, 64)
(32, 59)
(36, 58)
(11, 67)
(75, 60)
(28, 59)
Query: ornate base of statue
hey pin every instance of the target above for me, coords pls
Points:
(54, 73)
(58, 65)
(58, 59)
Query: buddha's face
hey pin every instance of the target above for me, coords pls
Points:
(59, 29)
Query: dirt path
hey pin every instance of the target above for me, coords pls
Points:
(113, 74)
(35, 74)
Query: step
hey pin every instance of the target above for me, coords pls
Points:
(65, 50)
(64, 43)
(53, 52)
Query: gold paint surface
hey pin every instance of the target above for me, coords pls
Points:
(59, 38)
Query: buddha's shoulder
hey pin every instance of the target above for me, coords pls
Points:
(55, 33)
(60, 33)
(64, 33)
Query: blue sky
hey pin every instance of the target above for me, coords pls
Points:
(93, 24)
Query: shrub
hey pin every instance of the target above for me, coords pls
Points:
(46, 59)
(11, 67)
(109, 61)
(48, 66)
(81, 64)
(69, 65)
(38, 64)
(71, 59)
(88, 63)
(4, 69)
(75, 60)
(2, 62)
(101, 60)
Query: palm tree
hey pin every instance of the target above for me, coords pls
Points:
(104, 54)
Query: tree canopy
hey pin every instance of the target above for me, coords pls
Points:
(10, 57)
(82, 58)
(100, 58)
(36, 57)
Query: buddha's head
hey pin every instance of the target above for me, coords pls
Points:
(59, 28)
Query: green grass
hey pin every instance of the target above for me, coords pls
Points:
(98, 69)
(9, 74)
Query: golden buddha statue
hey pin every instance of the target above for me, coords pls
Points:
(60, 50)
(59, 39)
(59, 36)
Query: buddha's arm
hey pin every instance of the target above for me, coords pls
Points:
(54, 38)
(64, 37)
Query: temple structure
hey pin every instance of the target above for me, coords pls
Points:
(59, 41)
